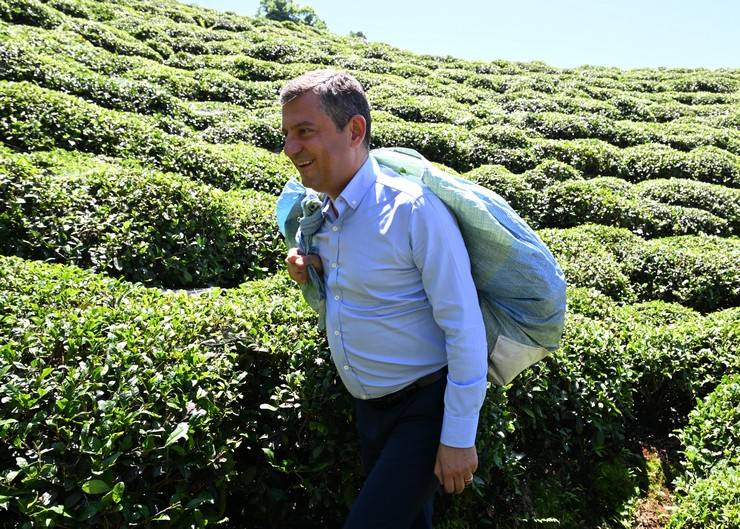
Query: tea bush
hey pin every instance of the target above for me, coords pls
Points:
(716, 199)
(613, 202)
(514, 188)
(709, 491)
(700, 272)
(178, 409)
(122, 404)
(146, 226)
(22, 64)
(575, 403)
(678, 355)
(590, 156)
(706, 164)
(713, 430)
(159, 407)
(35, 118)
(697, 271)
(711, 503)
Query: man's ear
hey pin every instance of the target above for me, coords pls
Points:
(358, 128)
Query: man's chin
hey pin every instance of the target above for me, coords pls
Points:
(309, 182)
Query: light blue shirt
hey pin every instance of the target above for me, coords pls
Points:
(401, 302)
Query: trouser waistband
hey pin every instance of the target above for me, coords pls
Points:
(393, 398)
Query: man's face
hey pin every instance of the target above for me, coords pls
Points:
(321, 153)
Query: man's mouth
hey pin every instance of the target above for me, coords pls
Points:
(301, 165)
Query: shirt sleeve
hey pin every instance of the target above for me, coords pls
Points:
(440, 255)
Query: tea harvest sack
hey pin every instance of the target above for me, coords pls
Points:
(521, 288)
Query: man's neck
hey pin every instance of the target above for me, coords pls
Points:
(334, 194)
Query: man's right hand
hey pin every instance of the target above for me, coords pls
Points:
(298, 265)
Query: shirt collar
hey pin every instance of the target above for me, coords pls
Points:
(360, 183)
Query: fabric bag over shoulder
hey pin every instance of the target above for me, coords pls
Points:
(521, 288)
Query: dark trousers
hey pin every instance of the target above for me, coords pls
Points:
(399, 448)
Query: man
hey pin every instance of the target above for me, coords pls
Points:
(403, 321)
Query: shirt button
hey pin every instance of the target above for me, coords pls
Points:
(336, 297)
(346, 368)
(334, 265)
(336, 333)
(334, 228)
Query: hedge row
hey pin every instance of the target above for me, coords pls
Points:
(157, 408)
(206, 85)
(697, 271)
(21, 63)
(716, 199)
(643, 162)
(705, 165)
(240, 67)
(33, 118)
(709, 492)
(158, 37)
(463, 150)
(606, 200)
(67, 44)
(35, 13)
(423, 109)
(266, 49)
(683, 136)
(613, 202)
(679, 356)
(713, 430)
(36, 58)
(176, 409)
(150, 227)
(226, 404)
(711, 502)
(230, 124)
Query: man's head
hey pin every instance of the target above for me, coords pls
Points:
(326, 122)
(341, 96)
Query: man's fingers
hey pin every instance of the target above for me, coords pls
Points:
(298, 264)
(314, 260)
(449, 484)
(438, 473)
(453, 484)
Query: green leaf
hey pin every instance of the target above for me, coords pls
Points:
(116, 494)
(96, 486)
(180, 432)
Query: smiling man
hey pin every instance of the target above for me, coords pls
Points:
(402, 316)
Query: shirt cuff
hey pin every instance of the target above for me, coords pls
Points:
(459, 432)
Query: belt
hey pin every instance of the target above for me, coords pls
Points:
(393, 398)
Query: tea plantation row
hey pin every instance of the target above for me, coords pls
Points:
(166, 406)
(36, 118)
(163, 229)
(711, 487)
(155, 228)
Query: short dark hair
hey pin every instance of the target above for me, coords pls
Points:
(341, 96)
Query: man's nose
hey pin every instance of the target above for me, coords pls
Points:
(291, 147)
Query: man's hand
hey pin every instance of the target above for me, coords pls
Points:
(455, 466)
(298, 265)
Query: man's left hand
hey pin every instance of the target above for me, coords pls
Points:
(455, 466)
